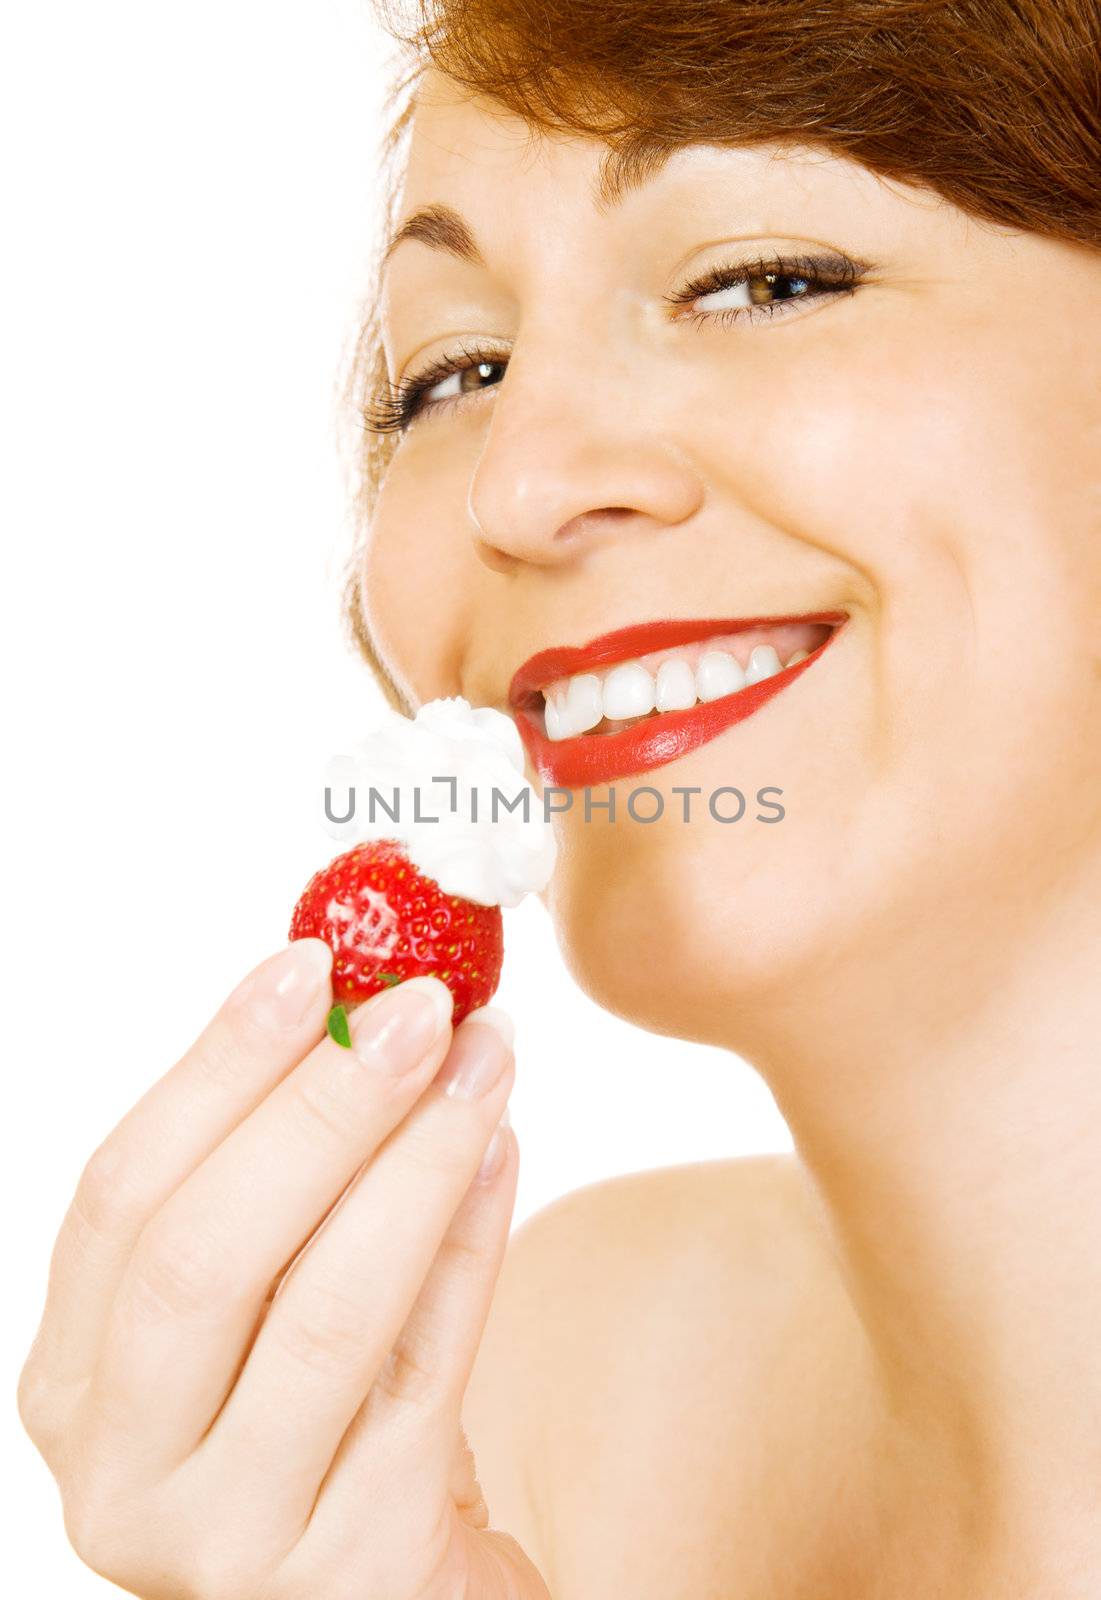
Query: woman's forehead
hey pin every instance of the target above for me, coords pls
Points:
(501, 175)
(472, 153)
(466, 140)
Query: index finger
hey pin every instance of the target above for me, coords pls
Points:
(260, 1032)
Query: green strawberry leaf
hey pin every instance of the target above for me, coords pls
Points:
(337, 1025)
(388, 978)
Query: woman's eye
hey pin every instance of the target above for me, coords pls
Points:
(746, 290)
(468, 380)
(397, 407)
(762, 289)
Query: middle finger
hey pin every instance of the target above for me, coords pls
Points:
(197, 1281)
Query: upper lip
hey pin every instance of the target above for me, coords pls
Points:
(638, 639)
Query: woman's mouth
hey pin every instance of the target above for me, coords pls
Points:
(645, 695)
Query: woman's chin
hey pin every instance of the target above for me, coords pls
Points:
(667, 929)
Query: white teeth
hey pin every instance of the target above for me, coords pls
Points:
(675, 686)
(552, 716)
(763, 662)
(575, 705)
(717, 674)
(584, 704)
(628, 691)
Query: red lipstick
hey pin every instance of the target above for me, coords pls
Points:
(598, 758)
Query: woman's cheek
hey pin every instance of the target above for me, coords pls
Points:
(838, 437)
(417, 571)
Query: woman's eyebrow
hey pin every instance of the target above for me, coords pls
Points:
(441, 228)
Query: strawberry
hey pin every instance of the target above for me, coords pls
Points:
(384, 921)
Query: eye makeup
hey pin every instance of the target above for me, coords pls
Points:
(756, 290)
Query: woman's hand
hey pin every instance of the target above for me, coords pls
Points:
(265, 1301)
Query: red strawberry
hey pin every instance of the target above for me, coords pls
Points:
(385, 921)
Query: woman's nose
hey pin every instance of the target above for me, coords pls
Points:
(559, 472)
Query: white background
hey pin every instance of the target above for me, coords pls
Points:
(188, 207)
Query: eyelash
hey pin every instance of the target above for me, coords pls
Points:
(394, 410)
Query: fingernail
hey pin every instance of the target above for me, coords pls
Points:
(496, 1150)
(495, 1017)
(282, 990)
(393, 1032)
(476, 1060)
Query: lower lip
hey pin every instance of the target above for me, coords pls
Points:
(593, 759)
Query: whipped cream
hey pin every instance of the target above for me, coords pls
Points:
(465, 813)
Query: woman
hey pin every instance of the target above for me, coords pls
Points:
(777, 326)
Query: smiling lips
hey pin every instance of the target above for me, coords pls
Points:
(637, 698)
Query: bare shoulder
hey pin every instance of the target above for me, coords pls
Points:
(725, 1226)
(645, 1328)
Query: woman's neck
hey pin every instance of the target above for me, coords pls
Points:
(949, 1115)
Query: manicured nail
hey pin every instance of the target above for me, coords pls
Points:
(496, 1150)
(495, 1017)
(282, 990)
(478, 1056)
(394, 1031)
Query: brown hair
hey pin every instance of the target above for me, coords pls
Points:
(994, 104)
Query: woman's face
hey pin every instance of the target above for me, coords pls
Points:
(880, 410)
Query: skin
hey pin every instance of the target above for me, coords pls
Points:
(924, 455)
(868, 1370)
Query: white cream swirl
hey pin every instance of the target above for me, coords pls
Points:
(454, 778)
